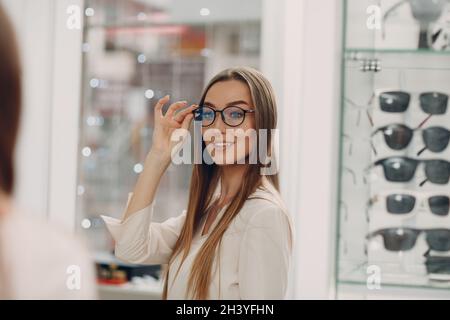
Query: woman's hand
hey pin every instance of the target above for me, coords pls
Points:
(166, 124)
(159, 157)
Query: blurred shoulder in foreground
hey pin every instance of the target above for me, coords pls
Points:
(40, 261)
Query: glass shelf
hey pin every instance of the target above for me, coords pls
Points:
(398, 51)
(435, 286)
(135, 13)
(371, 67)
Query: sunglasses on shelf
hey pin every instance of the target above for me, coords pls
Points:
(398, 136)
(405, 203)
(398, 101)
(404, 239)
(433, 103)
(402, 169)
(438, 265)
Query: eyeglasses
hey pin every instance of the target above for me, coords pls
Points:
(407, 202)
(433, 103)
(402, 169)
(404, 239)
(398, 136)
(232, 116)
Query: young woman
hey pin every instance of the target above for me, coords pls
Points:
(37, 261)
(235, 239)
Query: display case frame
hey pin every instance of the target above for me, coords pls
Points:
(374, 65)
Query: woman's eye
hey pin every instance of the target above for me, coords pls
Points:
(236, 115)
(208, 115)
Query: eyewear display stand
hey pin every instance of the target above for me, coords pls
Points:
(394, 219)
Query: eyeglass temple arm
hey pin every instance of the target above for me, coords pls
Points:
(352, 173)
(371, 142)
(421, 151)
(369, 204)
(376, 131)
(369, 117)
(367, 111)
(345, 209)
(354, 104)
(366, 108)
(369, 168)
(424, 121)
(372, 234)
(423, 182)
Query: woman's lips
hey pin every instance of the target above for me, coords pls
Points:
(222, 145)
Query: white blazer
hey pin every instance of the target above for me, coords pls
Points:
(254, 257)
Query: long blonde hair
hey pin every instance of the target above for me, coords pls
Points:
(205, 178)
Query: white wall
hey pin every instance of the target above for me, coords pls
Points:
(33, 24)
(304, 69)
(46, 154)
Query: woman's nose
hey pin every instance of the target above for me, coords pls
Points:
(219, 124)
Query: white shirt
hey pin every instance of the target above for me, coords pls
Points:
(255, 252)
(40, 261)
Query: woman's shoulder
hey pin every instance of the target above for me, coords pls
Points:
(42, 258)
(266, 203)
(267, 195)
(265, 209)
(33, 231)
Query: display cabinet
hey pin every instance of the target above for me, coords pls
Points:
(394, 221)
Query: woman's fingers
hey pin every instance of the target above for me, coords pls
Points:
(172, 123)
(172, 118)
(160, 104)
(187, 121)
(182, 114)
(174, 107)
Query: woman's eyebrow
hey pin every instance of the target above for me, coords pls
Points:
(228, 104)
(209, 104)
(238, 102)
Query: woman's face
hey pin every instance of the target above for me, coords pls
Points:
(225, 143)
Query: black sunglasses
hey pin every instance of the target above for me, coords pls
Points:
(402, 169)
(404, 203)
(437, 265)
(433, 103)
(398, 136)
(232, 116)
(404, 239)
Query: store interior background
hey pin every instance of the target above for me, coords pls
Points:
(89, 92)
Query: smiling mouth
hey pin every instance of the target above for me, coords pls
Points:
(221, 145)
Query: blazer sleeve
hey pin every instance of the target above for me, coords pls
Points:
(265, 254)
(139, 240)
